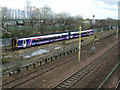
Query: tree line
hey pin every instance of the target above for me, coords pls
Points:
(48, 22)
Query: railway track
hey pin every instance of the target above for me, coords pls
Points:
(74, 78)
(100, 86)
(15, 83)
(118, 85)
(28, 77)
(83, 52)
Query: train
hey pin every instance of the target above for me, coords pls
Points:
(24, 42)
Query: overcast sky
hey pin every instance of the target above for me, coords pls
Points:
(85, 8)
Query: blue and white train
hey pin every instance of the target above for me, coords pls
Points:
(47, 38)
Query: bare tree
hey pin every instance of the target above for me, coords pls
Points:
(46, 11)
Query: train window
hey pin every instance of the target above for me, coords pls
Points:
(20, 42)
(46, 39)
(24, 42)
(57, 37)
(51, 38)
(63, 35)
(41, 39)
(75, 34)
(35, 40)
(84, 33)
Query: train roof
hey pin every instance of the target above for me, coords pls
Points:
(50, 35)
(45, 36)
(73, 32)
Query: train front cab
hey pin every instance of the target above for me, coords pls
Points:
(14, 43)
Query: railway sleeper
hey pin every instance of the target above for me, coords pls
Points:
(63, 86)
(71, 80)
(76, 77)
(57, 87)
(66, 83)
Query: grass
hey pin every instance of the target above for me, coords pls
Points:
(5, 60)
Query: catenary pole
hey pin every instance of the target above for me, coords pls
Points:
(79, 44)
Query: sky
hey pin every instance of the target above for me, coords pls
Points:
(85, 8)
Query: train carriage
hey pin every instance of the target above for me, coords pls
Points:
(75, 34)
(47, 38)
(37, 40)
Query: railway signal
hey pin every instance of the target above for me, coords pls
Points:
(79, 44)
(93, 46)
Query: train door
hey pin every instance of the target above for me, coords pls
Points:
(14, 43)
(69, 35)
(24, 43)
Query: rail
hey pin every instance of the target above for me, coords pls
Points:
(118, 85)
(78, 75)
(108, 76)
